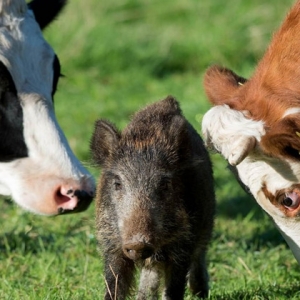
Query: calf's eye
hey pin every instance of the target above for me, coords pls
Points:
(287, 202)
(291, 200)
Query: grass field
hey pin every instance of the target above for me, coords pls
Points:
(117, 56)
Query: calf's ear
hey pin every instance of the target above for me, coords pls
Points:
(283, 139)
(220, 84)
(104, 141)
(45, 11)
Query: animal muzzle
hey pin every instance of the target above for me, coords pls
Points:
(53, 196)
(138, 251)
(73, 201)
(74, 196)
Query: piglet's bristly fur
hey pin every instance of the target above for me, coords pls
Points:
(155, 203)
(272, 94)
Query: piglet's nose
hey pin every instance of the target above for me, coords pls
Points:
(71, 200)
(137, 251)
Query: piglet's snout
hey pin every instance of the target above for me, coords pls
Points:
(73, 199)
(138, 250)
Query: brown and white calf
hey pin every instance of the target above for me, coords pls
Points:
(37, 167)
(255, 125)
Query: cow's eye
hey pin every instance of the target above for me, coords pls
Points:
(56, 74)
(291, 200)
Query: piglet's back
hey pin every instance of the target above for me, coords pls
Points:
(163, 125)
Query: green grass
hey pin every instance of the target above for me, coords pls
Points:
(117, 56)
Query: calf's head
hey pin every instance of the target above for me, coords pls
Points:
(37, 167)
(255, 125)
(273, 181)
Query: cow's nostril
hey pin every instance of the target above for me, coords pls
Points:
(69, 192)
(70, 200)
(61, 198)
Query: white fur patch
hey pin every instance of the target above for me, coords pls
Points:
(230, 132)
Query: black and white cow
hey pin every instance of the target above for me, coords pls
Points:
(37, 167)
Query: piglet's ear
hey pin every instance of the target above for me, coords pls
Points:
(283, 139)
(104, 141)
(220, 84)
(46, 11)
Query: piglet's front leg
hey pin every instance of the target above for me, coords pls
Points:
(175, 278)
(118, 277)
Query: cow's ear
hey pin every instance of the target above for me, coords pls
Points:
(45, 11)
(220, 84)
(104, 141)
(12, 145)
(283, 139)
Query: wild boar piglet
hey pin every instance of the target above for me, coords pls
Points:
(155, 204)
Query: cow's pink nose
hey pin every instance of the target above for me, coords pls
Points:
(71, 200)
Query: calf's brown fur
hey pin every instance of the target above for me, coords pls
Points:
(155, 203)
(271, 92)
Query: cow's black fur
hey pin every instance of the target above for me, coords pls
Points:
(56, 74)
(12, 145)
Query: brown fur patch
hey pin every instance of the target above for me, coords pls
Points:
(272, 90)
(277, 199)
(282, 138)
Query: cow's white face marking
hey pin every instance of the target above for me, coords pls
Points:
(28, 57)
(50, 179)
(226, 130)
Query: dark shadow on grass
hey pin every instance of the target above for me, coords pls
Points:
(241, 205)
(245, 207)
(36, 240)
(27, 243)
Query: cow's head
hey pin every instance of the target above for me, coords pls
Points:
(255, 125)
(37, 166)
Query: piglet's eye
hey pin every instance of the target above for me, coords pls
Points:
(117, 183)
(291, 200)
